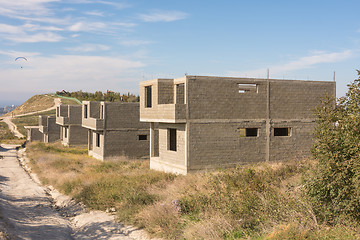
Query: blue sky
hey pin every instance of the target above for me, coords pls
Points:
(94, 45)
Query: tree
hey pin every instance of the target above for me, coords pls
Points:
(335, 183)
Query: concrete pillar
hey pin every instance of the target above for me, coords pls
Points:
(152, 139)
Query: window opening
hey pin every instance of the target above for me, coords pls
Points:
(249, 132)
(58, 112)
(281, 132)
(65, 129)
(85, 111)
(180, 92)
(102, 112)
(142, 137)
(247, 87)
(148, 97)
(172, 139)
(98, 139)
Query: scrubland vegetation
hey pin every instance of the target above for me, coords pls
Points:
(264, 201)
(5, 133)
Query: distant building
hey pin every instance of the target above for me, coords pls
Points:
(34, 134)
(216, 122)
(114, 130)
(68, 117)
(49, 128)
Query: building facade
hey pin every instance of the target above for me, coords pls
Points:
(34, 134)
(216, 122)
(68, 117)
(114, 130)
(49, 128)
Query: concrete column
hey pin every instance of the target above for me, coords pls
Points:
(152, 140)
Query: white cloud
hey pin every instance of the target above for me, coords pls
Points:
(38, 37)
(15, 9)
(35, 27)
(89, 48)
(70, 72)
(301, 63)
(163, 16)
(95, 13)
(5, 28)
(130, 43)
(87, 26)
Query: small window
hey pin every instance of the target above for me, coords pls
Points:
(148, 97)
(247, 87)
(58, 112)
(249, 132)
(98, 139)
(278, 132)
(172, 139)
(85, 110)
(65, 132)
(142, 137)
(102, 112)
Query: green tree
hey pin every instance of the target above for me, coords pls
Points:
(334, 185)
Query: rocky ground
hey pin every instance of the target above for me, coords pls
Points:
(31, 211)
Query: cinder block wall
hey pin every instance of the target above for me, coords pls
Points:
(53, 129)
(165, 91)
(219, 98)
(297, 99)
(74, 113)
(78, 135)
(123, 115)
(295, 146)
(126, 143)
(220, 144)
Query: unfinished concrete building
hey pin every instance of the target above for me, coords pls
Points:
(68, 117)
(49, 128)
(215, 122)
(114, 130)
(34, 134)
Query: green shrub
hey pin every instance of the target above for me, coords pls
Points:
(334, 185)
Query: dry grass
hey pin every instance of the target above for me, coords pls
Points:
(263, 201)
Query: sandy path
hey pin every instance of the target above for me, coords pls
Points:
(25, 209)
(30, 211)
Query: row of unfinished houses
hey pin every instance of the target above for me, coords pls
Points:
(196, 122)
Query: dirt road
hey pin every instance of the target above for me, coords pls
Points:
(27, 211)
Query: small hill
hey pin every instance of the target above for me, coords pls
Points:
(38, 103)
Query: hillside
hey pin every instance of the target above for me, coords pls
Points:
(38, 103)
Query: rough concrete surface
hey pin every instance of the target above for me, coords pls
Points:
(30, 211)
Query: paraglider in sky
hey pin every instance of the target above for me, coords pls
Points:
(19, 58)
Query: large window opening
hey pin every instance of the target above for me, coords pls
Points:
(249, 132)
(85, 111)
(172, 139)
(97, 139)
(148, 93)
(285, 132)
(180, 92)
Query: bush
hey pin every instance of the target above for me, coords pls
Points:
(334, 185)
